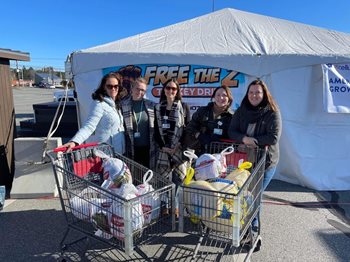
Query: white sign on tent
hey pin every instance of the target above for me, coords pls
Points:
(336, 88)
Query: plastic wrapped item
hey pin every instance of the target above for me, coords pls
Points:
(99, 213)
(151, 203)
(214, 202)
(241, 174)
(189, 169)
(202, 203)
(115, 171)
(224, 185)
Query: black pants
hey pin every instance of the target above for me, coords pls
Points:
(141, 155)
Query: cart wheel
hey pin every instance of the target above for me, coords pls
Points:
(258, 246)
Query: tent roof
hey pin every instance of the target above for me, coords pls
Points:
(253, 44)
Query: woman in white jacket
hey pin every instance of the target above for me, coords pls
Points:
(105, 118)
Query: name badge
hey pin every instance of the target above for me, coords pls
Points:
(218, 131)
(166, 126)
(137, 134)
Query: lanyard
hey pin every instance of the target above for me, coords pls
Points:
(140, 115)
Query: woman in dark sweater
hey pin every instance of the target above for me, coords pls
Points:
(210, 123)
(257, 122)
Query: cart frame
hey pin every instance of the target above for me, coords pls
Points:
(236, 230)
(80, 171)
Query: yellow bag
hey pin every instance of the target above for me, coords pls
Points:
(241, 174)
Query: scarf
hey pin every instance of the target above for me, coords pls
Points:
(167, 163)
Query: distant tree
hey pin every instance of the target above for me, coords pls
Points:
(26, 74)
(32, 73)
(13, 74)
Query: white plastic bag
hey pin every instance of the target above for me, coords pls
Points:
(151, 203)
(117, 225)
(81, 204)
(222, 159)
(99, 212)
(207, 166)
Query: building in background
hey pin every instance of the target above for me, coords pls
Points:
(47, 78)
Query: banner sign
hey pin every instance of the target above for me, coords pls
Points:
(197, 82)
(336, 88)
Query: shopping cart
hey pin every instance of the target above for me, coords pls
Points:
(222, 218)
(101, 214)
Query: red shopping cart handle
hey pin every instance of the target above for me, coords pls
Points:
(63, 149)
(236, 142)
(228, 140)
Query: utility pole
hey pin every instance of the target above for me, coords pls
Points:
(17, 70)
(52, 83)
(213, 6)
(22, 76)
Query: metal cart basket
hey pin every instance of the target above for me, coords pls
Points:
(222, 218)
(99, 213)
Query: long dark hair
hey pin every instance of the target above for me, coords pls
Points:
(178, 93)
(100, 92)
(228, 92)
(267, 97)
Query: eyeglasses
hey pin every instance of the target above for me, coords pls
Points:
(140, 90)
(110, 87)
(171, 88)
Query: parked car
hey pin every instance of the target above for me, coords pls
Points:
(45, 85)
(60, 95)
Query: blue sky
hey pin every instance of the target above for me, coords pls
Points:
(51, 30)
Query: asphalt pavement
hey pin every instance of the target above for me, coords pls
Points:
(297, 224)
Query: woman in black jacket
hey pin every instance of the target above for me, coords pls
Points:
(210, 123)
(257, 122)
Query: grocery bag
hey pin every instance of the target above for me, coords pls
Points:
(117, 218)
(151, 203)
(222, 159)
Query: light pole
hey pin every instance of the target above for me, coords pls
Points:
(17, 70)
(22, 76)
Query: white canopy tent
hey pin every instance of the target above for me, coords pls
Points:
(287, 55)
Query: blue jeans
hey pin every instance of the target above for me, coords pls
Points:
(177, 181)
(268, 175)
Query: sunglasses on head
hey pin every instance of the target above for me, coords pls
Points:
(110, 87)
(171, 88)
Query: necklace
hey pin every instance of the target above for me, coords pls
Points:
(140, 115)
